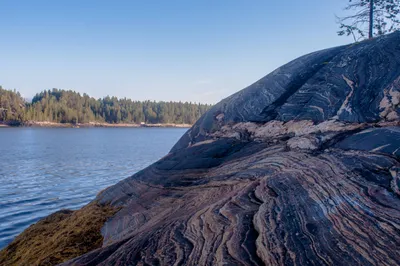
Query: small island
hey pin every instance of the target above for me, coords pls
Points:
(67, 108)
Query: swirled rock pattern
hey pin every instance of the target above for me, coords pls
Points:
(258, 204)
(300, 168)
(357, 83)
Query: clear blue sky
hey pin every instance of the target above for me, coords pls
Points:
(189, 50)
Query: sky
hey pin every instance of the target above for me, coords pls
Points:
(170, 50)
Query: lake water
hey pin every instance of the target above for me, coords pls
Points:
(43, 170)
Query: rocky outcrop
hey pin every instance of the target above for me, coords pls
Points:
(300, 168)
(358, 83)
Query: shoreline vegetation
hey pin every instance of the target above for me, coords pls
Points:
(59, 237)
(62, 108)
(47, 124)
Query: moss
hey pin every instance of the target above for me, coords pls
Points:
(59, 237)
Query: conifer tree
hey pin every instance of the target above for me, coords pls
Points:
(370, 18)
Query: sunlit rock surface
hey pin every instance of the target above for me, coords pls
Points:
(300, 168)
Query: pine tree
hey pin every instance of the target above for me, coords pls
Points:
(370, 18)
(70, 107)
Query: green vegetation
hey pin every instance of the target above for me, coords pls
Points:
(63, 106)
(12, 107)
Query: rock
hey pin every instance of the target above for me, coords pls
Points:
(303, 143)
(356, 83)
(384, 140)
(300, 168)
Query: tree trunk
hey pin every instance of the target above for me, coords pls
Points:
(371, 19)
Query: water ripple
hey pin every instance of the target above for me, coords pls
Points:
(45, 170)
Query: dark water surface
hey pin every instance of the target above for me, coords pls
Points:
(43, 170)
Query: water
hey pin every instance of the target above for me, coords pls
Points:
(43, 170)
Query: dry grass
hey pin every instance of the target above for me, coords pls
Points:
(59, 237)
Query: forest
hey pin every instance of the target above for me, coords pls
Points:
(67, 106)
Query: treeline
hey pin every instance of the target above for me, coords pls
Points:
(62, 106)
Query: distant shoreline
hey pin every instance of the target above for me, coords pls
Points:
(46, 124)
